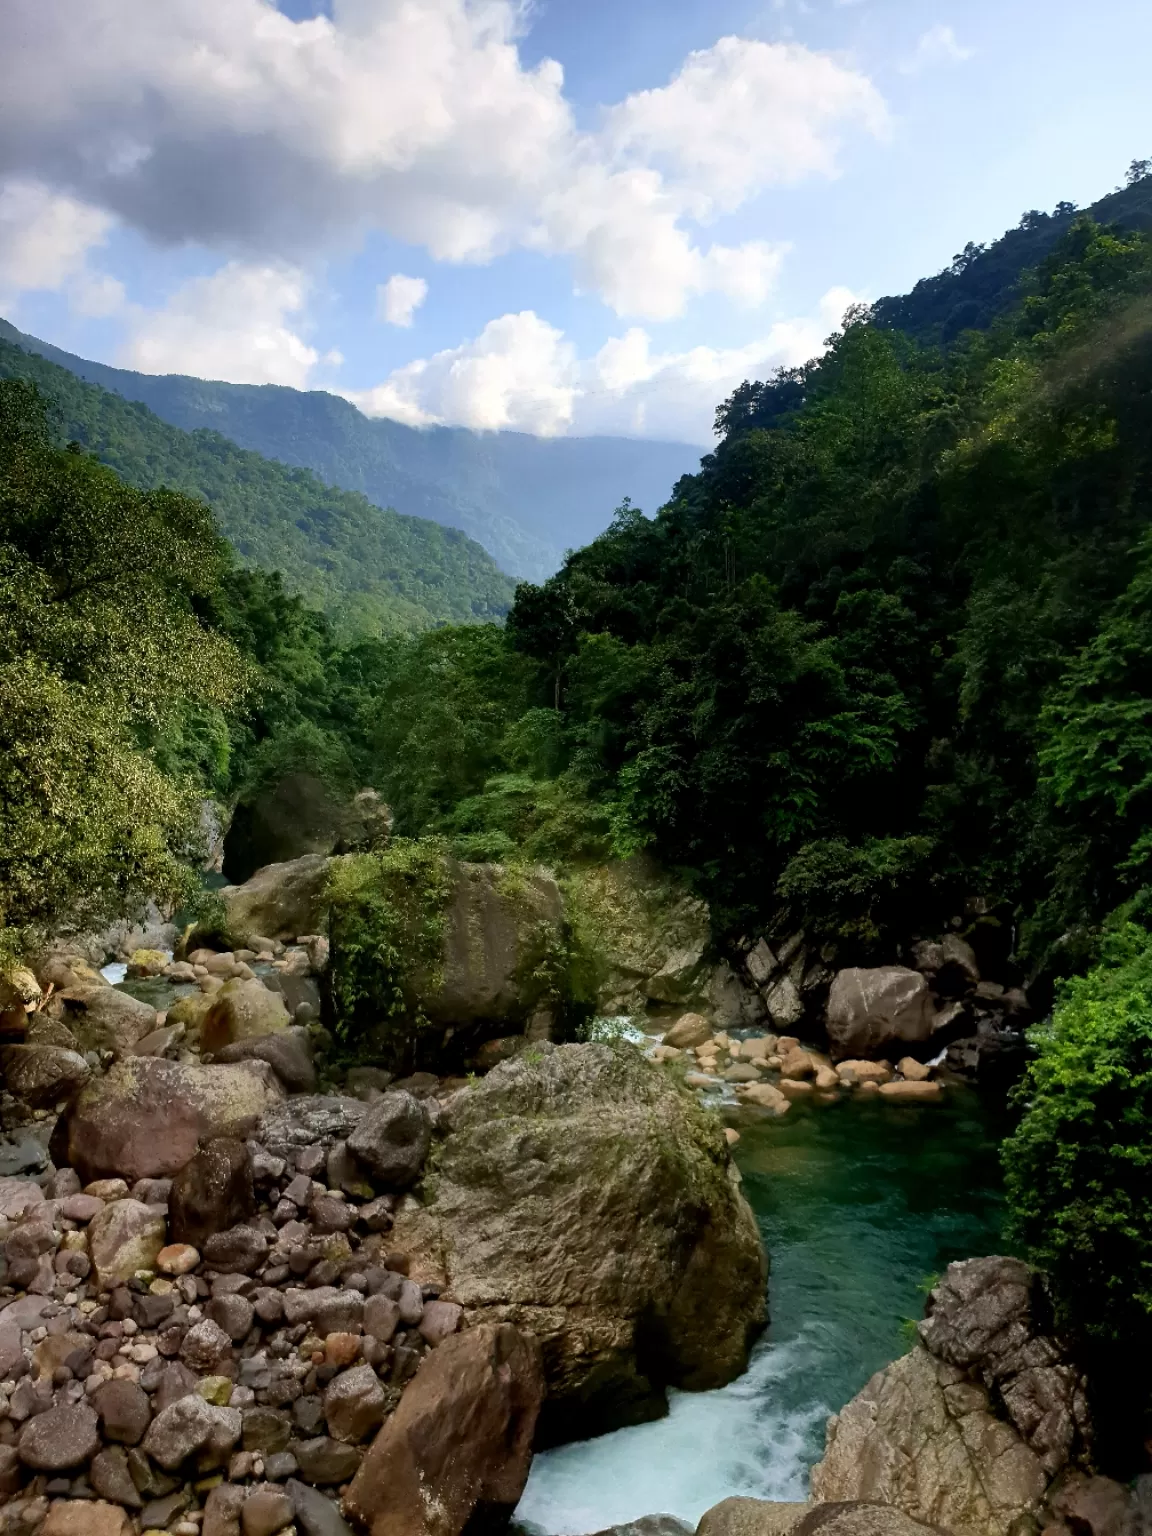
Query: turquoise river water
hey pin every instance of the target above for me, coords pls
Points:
(860, 1203)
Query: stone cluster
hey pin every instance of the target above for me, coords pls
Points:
(211, 1354)
(771, 1072)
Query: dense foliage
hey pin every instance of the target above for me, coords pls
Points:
(101, 652)
(1080, 1167)
(370, 569)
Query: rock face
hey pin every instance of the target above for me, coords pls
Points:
(242, 1010)
(146, 1116)
(967, 1430)
(871, 1010)
(460, 1441)
(280, 900)
(584, 1196)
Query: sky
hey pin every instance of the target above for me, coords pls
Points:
(565, 216)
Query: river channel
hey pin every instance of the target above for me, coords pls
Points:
(860, 1204)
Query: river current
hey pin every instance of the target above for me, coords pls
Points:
(861, 1204)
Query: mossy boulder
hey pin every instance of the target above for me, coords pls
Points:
(280, 901)
(583, 1194)
(241, 1010)
(427, 949)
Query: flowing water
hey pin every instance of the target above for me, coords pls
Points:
(860, 1204)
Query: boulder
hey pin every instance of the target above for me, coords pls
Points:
(42, 1075)
(146, 1116)
(126, 1236)
(751, 1517)
(309, 1120)
(912, 1092)
(689, 1030)
(288, 1052)
(392, 1139)
(735, 1005)
(103, 1018)
(870, 1010)
(858, 1518)
(189, 1425)
(354, 1405)
(60, 1438)
(85, 1517)
(460, 1440)
(241, 1010)
(924, 1437)
(280, 900)
(678, 976)
(583, 1194)
(212, 1192)
(285, 821)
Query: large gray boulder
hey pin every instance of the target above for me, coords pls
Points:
(966, 1431)
(280, 901)
(872, 1010)
(582, 1194)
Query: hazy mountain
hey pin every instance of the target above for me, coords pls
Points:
(525, 499)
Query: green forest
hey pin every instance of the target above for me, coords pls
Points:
(371, 569)
(889, 650)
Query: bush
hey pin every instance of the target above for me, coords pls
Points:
(1079, 1167)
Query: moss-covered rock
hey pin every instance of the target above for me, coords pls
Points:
(241, 1010)
(427, 950)
(583, 1194)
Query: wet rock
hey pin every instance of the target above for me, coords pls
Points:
(188, 1426)
(861, 1519)
(124, 1411)
(354, 1404)
(870, 1010)
(42, 1075)
(240, 1250)
(177, 1381)
(316, 1515)
(924, 1437)
(59, 1438)
(125, 1237)
(558, 1160)
(103, 1018)
(212, 1192)
(392, 1139)
(751, 1517)
(461, 1436)
(288, 1052)
(145, 1118)
(242, 1010)
(326, 1461)
(689, 1030)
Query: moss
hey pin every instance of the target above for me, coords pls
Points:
(387, 931)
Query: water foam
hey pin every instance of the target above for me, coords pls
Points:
(746, 1439)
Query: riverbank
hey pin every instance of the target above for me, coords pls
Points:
(859, 1203)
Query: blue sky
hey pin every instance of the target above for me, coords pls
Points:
(586, 215)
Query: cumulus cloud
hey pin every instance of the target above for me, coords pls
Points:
(522, 373)
(939, 45)
(236, 324)
(226, 123)
(399, 298)
(45, 242)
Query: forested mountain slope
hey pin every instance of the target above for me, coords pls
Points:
(525, 499)
(369, 568)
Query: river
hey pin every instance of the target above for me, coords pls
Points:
(860, 1203)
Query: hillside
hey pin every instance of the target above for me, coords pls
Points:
(980, 284)
(369, 568)
(525, 499)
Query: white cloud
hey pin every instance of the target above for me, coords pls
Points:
(939, 45)
(522, 373)
(45, 240)
(236, 324)
(224, 122)
(399, 298)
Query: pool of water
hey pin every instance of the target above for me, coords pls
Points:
(860, 1204)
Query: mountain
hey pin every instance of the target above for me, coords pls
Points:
(369, 568)
(525, 499)
(981, 283)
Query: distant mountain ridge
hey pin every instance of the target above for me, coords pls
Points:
(525, 499)
(372, 570)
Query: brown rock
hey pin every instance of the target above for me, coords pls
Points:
(146, 1116)
(242, 1010)
(871, 1009)
(124, 1411)
(266, 1511)
(915, 1071)
(690, 1029)
(864, 1071)
(461, 1437)
(751, 1517)
(111, 1477)
(212, 1192)
(438, 1320)
(42, 1075)
(914, 1093)
(287, 1051)
(858, 1518)
(103, 1018)
(59, 1439)
(84, 1517)
(766, 1096)
(222, 1511)
(797, 1065)
(125, 1237)
(354, 1404)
